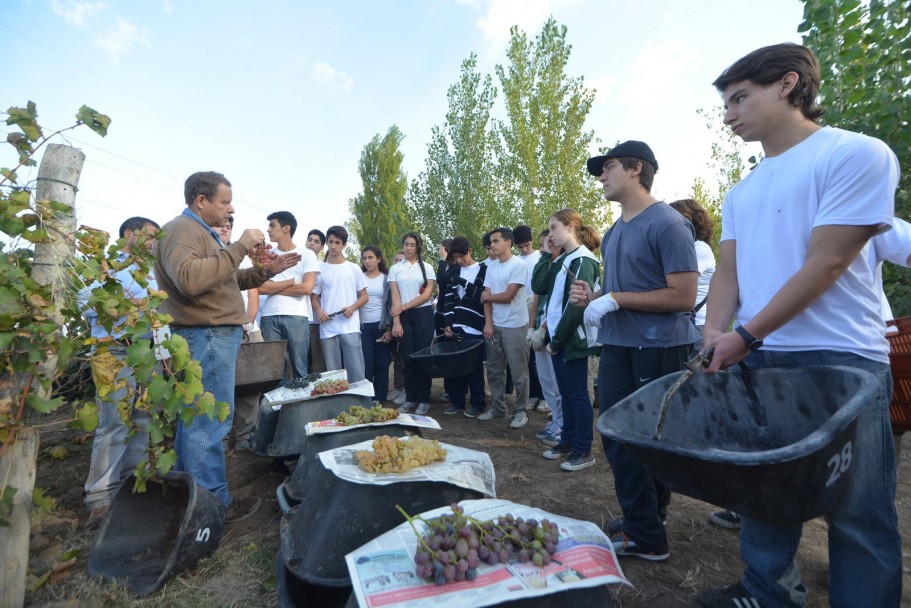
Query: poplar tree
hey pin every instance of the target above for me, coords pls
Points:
(544, 143)
(458, 192)
(379, 215)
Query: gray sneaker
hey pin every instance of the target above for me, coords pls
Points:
(398, 399)
(519, 420)
(577, 462)
(407, 406)
(423, 409)
(489, 414)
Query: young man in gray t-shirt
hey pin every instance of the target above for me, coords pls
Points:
(645, 321)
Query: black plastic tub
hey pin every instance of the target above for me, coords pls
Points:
(586, 597)
(295, 593)
(289, 436)
(336, 517)
(294, 488)
(774, 444)
(148, 537)
(448, 359)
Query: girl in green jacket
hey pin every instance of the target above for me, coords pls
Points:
(568, 337)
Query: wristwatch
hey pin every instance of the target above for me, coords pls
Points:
(753, 343)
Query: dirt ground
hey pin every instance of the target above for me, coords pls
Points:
(241, 572)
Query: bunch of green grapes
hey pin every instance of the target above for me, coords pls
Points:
(357, 414)
(329, 387)
(454, 544)
(399, 454)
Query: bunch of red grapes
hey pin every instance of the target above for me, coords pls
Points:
(329, 387)
(262, 255)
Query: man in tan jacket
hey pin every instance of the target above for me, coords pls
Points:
(203, 283)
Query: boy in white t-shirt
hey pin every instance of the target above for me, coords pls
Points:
(793, 271)
(339, 292)
(285, 312)
(504, 291)
(528, 254)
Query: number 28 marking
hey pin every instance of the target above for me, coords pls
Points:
(839, 463)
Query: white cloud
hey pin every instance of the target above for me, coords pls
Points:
(501, 15)
(121, 39)
(76, 13)
(336, 80)
(653, 72)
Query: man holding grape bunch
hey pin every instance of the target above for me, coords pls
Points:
(203, 283)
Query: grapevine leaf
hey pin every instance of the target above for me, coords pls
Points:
(94, 120)
(41, 405)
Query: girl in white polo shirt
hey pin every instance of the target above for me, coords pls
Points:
(411, 283)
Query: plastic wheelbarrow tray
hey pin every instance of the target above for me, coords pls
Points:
(294, 488)
(448, 359)
(774, 444)
(148, 537)
(338, 516)
(290, 428)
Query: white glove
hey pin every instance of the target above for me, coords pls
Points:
(538, 337)
(598, 308)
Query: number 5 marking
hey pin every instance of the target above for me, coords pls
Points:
(839, 464)
(202, 535)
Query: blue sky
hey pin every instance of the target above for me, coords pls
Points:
(282, 96)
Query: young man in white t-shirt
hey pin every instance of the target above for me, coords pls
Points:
(285, 312)
(504, 291)
(340, 291)
(528, 254)
(316, 242)
(793, 272)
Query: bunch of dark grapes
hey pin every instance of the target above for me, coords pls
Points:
(261, 255)
(455, 544)
(357, 414)
(329, 387)
(298, 383)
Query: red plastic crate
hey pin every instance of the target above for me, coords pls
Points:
(900, 362)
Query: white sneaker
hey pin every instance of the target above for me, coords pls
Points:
(399, 399)
(519, 420)
(489, 414)
(407, 406)
(393, 394)
(423, 409)
(533, 401)
(543, 407)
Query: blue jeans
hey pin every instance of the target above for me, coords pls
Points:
(199, 445)
(296, 330)
(344, 351)
(865, 561)
(572, 379)
(376, 359)
(471, 385)
(114, 454)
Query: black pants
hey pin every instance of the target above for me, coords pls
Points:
(417, 325)
(621, 372)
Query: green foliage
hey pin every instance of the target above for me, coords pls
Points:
(481, 173)
(458, 191)
(379, 214)
(864, 51)
(542, 159)
(30, 321)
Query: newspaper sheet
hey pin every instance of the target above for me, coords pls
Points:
(333, 426)
(382, 571)
(469, 469)
(277, 397)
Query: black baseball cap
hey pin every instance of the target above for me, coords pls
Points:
(628, 149)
